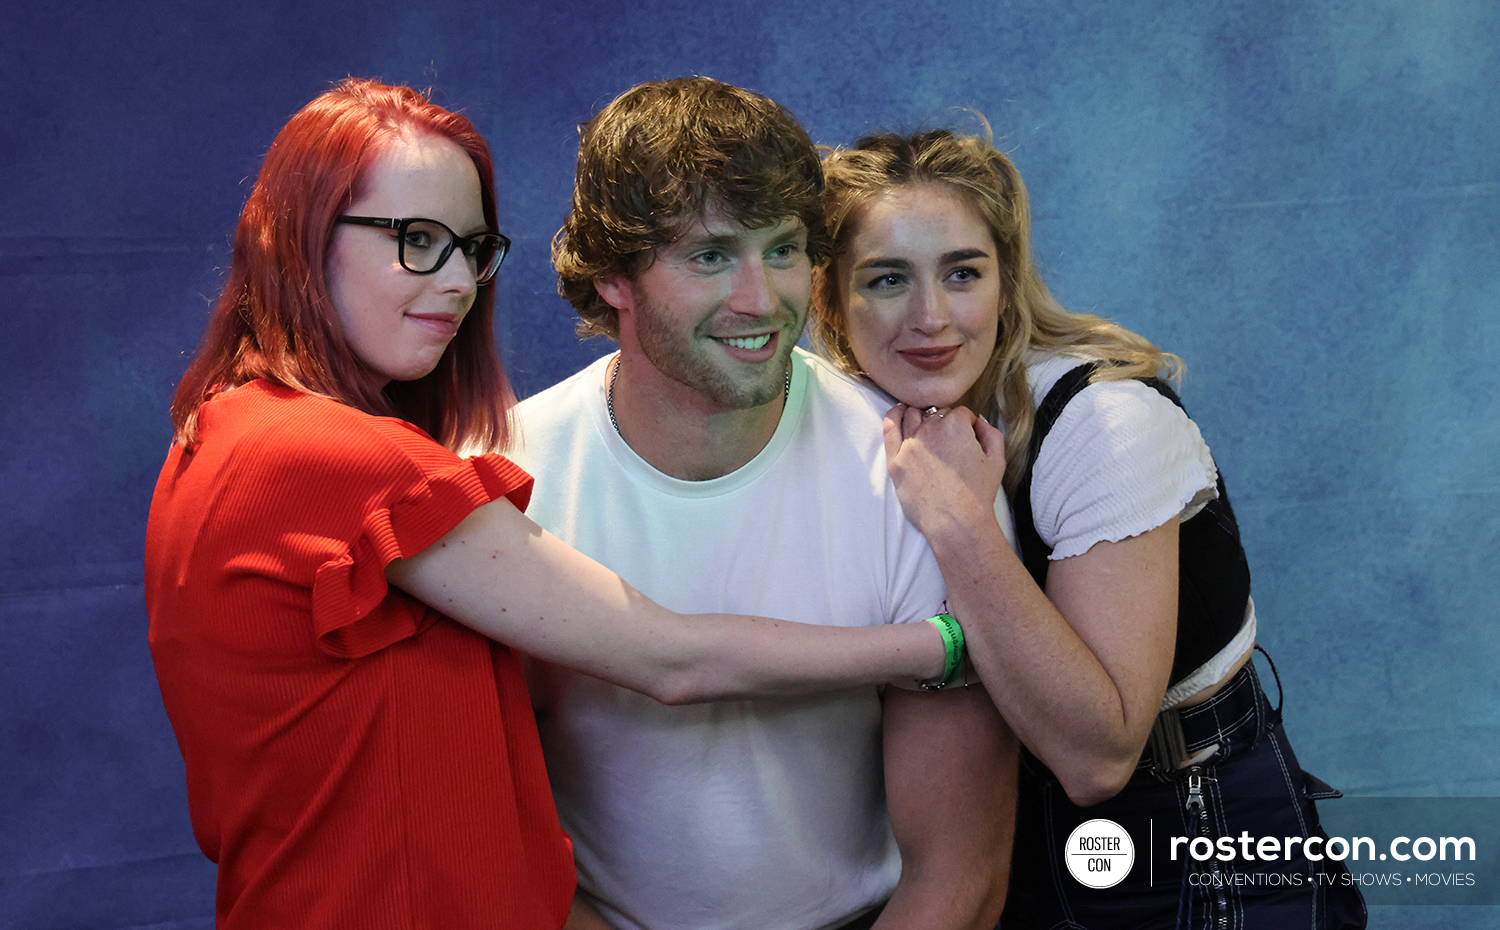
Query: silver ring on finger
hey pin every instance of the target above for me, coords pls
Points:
(931, 412)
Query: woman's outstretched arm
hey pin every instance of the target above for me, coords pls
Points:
(506, 577)
(1078, 671)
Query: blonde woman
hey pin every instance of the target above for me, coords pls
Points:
(1117, 643)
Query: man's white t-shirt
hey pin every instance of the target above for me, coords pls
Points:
(746, 814)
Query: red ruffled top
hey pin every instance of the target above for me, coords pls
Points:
(354, 759)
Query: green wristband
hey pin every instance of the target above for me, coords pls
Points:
(953, 652)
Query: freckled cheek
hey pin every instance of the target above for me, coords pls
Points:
(990, 331)
(870, 339)
(886, 320)
(856, 324)
(983, 315)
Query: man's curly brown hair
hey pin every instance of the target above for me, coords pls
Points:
(662, 155)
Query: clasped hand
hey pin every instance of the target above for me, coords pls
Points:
(947, 466)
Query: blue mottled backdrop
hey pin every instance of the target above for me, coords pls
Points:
(1301, 199)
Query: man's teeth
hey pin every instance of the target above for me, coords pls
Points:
(748, 342)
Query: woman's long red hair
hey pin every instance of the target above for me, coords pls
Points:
(275, 319)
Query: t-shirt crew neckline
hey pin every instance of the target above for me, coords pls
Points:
(645, 473)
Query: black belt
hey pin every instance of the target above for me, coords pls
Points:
(1179, 734)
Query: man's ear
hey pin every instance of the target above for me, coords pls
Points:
(615, 289)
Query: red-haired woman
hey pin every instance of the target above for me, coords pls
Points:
(355, 759)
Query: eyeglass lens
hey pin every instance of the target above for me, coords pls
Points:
(426, 245)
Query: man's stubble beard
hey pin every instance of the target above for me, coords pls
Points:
(671, 352)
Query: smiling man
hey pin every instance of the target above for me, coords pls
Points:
(719, 468)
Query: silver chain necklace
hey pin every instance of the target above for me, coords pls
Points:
(609, 393)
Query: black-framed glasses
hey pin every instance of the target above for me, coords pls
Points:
(423, 245)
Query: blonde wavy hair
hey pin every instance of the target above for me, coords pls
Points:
(1030, 317)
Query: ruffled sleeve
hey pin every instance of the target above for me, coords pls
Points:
(354, 612)
(1121, 460)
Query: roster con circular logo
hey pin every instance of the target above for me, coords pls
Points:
(1099, 853)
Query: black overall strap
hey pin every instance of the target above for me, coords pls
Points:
(1034, 551)
(1213, 576)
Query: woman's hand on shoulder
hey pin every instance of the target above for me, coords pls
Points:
(946, 465)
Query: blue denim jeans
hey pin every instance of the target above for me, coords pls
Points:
(1252, 784)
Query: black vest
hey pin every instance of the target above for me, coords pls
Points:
(1213, 576)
